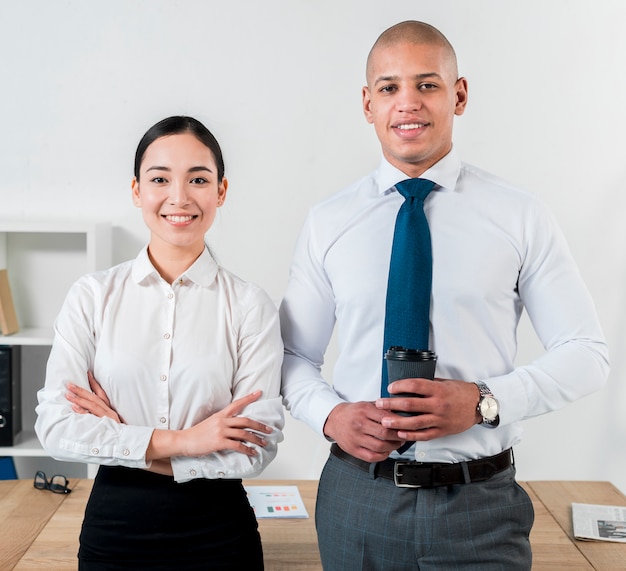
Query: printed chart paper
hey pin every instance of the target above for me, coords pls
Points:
(276, 501)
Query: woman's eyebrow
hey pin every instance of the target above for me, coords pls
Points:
(168, 169)
(199, 169)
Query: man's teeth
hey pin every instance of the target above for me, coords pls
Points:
(411, 126)
(180, 218)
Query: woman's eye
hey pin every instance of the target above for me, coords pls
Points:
(158, 180)
(199, 180)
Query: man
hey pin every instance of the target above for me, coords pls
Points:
(495, 250)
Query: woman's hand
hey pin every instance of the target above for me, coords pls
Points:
(94, 402)
(224, 430)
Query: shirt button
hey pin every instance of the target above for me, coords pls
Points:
(163, 377)
(163, 420)
(170, 295)
(166, 336)
(421, 455)
(95, 451)
(126, 452)
(221, 474)
(192, 472)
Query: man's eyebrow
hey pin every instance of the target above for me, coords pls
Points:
(419, 76)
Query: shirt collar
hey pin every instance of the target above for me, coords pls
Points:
(443, 173)
(201, 272)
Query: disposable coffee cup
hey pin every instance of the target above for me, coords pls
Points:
(409, 364)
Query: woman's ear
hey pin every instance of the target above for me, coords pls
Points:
(134, 185)
(221, 191)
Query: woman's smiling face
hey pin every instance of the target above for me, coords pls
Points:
(178, 191)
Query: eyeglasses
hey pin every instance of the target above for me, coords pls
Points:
(57, 484)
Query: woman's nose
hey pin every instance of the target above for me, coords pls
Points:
(178, 193)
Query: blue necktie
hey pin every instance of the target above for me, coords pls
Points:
(407, 311)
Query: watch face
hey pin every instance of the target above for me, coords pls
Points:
(489, 408)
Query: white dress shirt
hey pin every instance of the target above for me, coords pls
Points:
(496, 250)
(167, 356)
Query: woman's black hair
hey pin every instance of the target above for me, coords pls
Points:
(174, 126)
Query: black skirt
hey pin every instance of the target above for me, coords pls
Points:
(136, 520)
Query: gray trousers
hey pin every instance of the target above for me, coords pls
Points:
(367, 524)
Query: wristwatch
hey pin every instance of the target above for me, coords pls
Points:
(488, 406)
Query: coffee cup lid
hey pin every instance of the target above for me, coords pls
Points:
(404, 354)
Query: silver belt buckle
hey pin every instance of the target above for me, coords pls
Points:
(397, 475)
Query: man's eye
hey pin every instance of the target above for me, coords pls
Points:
(427, 86)
(387, 88)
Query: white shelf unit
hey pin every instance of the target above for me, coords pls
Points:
(43, 260)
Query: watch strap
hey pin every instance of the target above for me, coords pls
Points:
(485, 392)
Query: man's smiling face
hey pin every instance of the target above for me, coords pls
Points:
(411, 98)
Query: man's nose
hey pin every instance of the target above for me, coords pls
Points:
(409, 100)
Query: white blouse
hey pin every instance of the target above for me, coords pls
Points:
(167, 356)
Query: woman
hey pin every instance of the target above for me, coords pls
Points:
(187, 359)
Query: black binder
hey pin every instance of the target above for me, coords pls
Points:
(10, 394)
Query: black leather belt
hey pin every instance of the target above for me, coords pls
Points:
(427, 474)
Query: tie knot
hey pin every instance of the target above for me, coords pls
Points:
(415, 188)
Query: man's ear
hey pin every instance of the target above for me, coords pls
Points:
(367, 104)
(461, 96)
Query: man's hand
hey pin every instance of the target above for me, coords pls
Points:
(357, 429)
(445, 407)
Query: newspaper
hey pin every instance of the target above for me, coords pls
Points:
(601, 523)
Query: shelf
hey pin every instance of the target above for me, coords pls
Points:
(44, 258)
(51, 226)
(27, 444)
(27, 447)
(94, 239)
(29, 336)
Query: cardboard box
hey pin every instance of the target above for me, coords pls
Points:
(8, 317)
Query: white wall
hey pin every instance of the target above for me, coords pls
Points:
(279, 83)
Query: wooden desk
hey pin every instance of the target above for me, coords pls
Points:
(552, 537)
(39, 530)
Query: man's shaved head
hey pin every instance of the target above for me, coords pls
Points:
(413, 32)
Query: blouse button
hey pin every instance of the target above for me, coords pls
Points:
(163, 377)
(163, 420)
(170, 295)
(192, 472)
(126, 452)
(221, 474)
(95, 451)
(166, 336)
